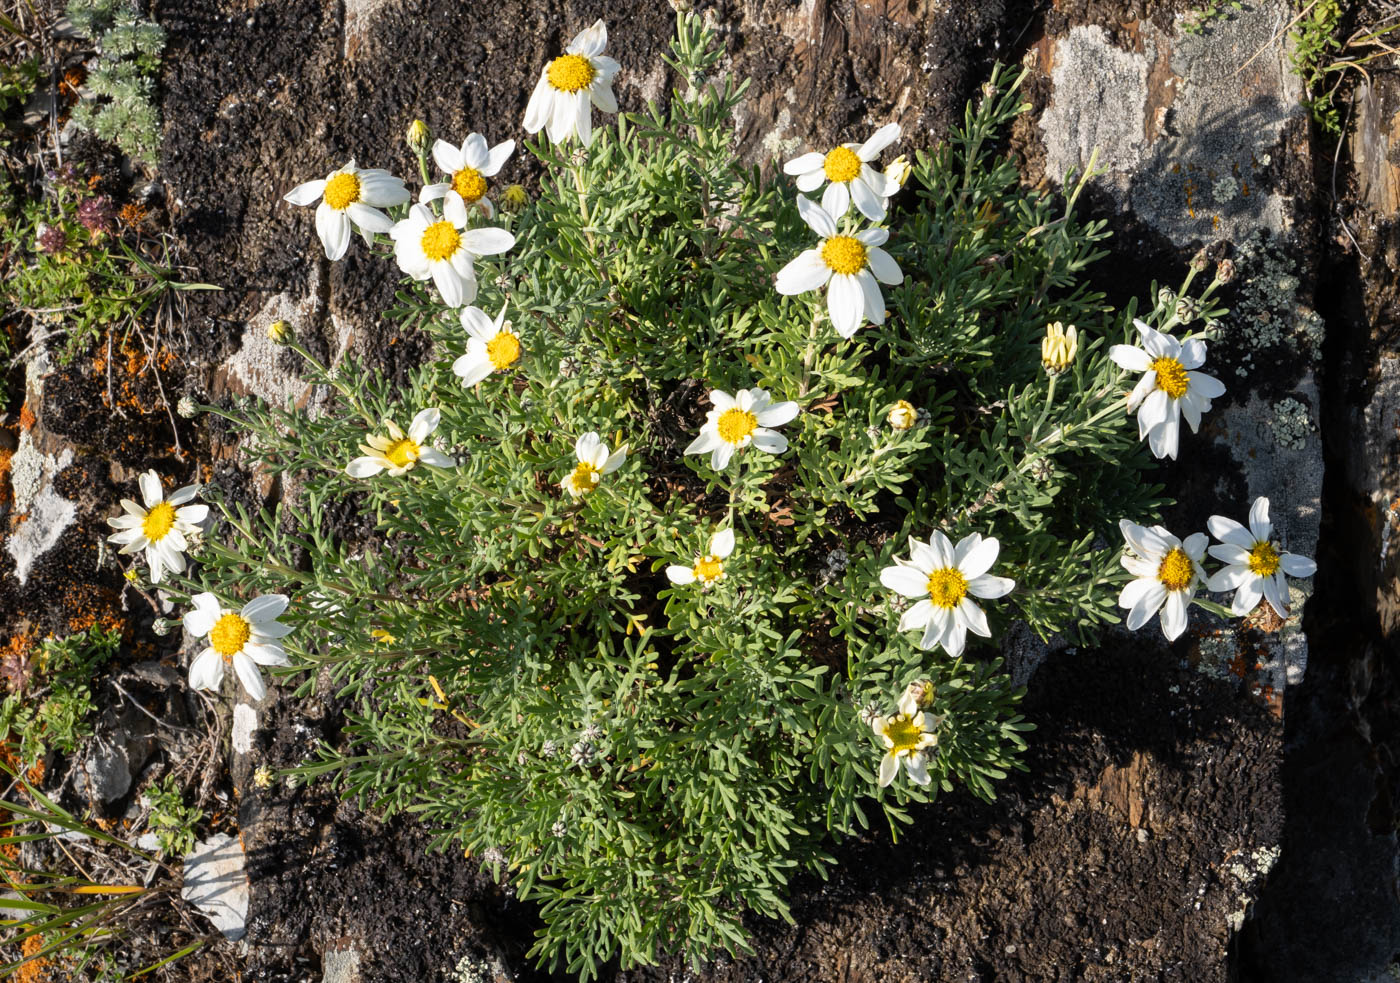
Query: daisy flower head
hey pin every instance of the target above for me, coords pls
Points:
(736, 421)
(1168, 572)
(161, 527)
(571, 85)
(851, 177)
(468, 167)
(1255, 565)
(908, 735)
(849, 266)
(943, 579)
(492, 346)
(244, 639)
(594, 461)
(1169, 389)
(708, 568)
(445, 249)
(400, 452)
(350, 199)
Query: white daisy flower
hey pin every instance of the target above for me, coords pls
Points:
(594, 461)
(1168, 389)
(400, 452)
(907, 734)
(1168, 572)
(469, 167)
(245, 639)
(350, 197)
(945, 578)
(736, 421)
(560, 104)
(851, 176)
(852, 264)
(1255, 567)
(492, 346)
(161, 527)
(445, 249)
(709, 566)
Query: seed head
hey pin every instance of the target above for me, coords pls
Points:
(1225, 271)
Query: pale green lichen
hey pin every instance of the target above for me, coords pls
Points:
(1292, 424)
(1224, 190)
(1267, 313)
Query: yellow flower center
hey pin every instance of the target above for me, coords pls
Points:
(229, 635)
(708, 569)
(403, 451)
(1171, 376)
(440, 240)
(158, 522)
(844, 254)
(469, 183)
(735, 425)
(569, 73)
(1263, 559)
(342, 191)
(503, 350)
(841, 164)
(947, 587)
(1176, 571)
(584, 479)
(902, 731)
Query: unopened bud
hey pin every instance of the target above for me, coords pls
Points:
(1058, 348)
(1200, 261)
(902, 415)
(514, 198)
(418, 137)
(162, 626)
(1225, 271)
(187, 407)
(262, 778)
(280, 332)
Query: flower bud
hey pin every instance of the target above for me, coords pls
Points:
(1224, 271)
(162, 626)
(514, 198)
(902, 415)
(1200, 261)
(280, 332)
(1187, 309)
(899, 170)
(187, 407)
(418, 137)
(262, 778)
(1058, 348)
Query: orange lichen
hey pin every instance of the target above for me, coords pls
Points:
(27, 419)
(88, 605)
(132, 214)
(36, 970)
(6, 494)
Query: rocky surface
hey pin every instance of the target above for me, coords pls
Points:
(1219, 810)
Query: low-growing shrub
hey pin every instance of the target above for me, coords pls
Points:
(674, 571)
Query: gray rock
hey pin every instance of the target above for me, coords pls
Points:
(217, 884)
(108, 769)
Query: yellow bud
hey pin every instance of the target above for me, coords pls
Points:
(418, 137)
(1058, 348)
(899, 170)
(382, 637)
(280, 332)
(903, 415)
(515, 198)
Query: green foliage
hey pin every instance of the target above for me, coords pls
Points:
(124, 110)
(1322, 57)
(17, 83)
(99, 280)
(170, 819)
(1198, 19)
(651, 761)
(50, 711)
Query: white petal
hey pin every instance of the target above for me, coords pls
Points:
(769, 441)
(874, 301)
(1229, 531)
(907, 581)
(916, 616)
(1193, 353)
(151, 492)
(207, 670)
(917, 766)
(703, 444)
(881, 139)
(889, 767)
(1278, 600)
(306, 194)
(266, 653)
(678, 574)
(836, 199)
(778, 414)
(807, 272)
(249, 676)
(811, 180)
(364, 467)
(816, 217)
(472, 367)
(448, 284)
(1259, 523)
(867, 201)
(268, 607)
(590, 41)
(1296, 565)
(974, 617)
(1148, 603)
(1228, 578)
(805, 164)
(882, 264)
(425, 421)
(989, 588)
(719, 457)
(1135, 590)
(1248, 596)
(974, 555)
(435, 458)
(537, 111)
(1174, 615)
(722, 543)
(845, 302)
(200, 621)
(1204, 385)
(497, 157)
(369, 219)
(601, 94)
(1130, 357)
(182, 495)
(488, 241)
(614, 460)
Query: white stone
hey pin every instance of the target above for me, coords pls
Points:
(245, 725)
(217, 884)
